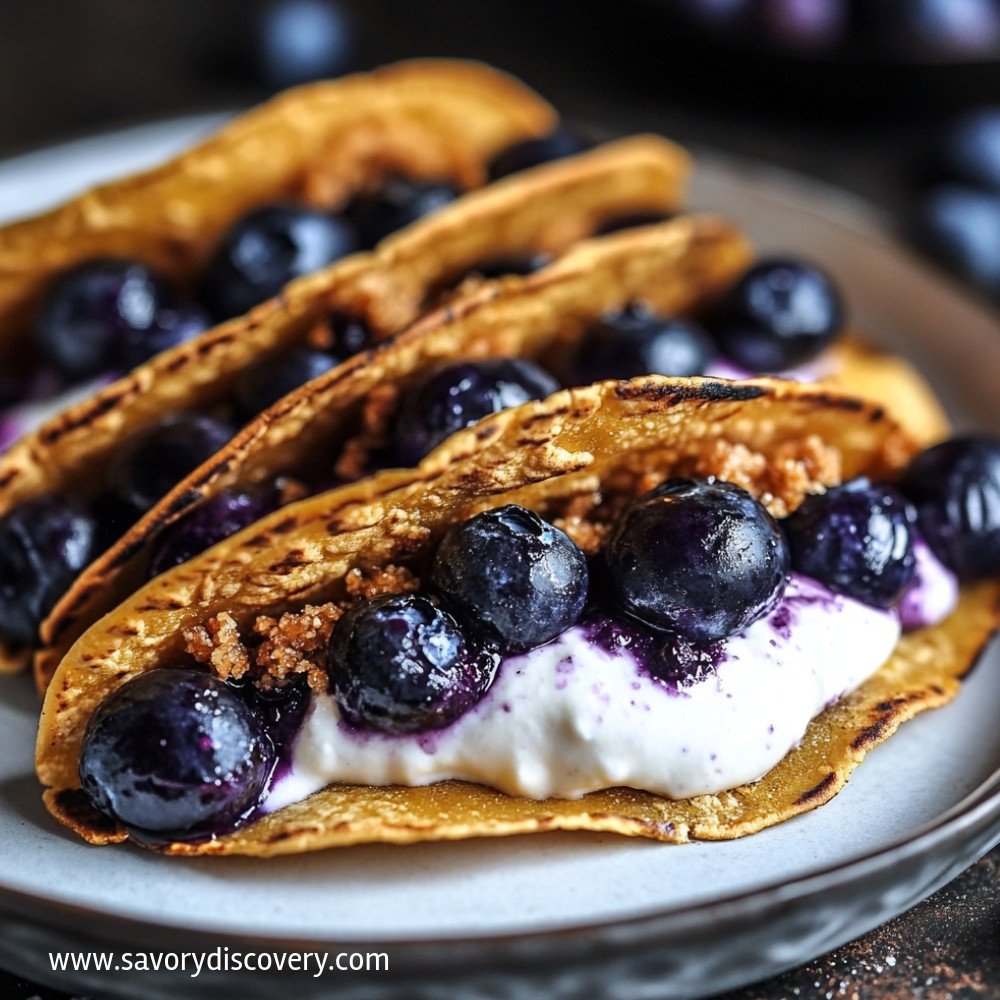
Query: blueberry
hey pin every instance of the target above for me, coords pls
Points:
(680, 663)
(556, 145)
(510, 573)
(459, 395)
(635, 342)
(806, 25)
(273, 378)
(302, 40)
(972, 148)
(214, 520)
(935, 27)
(781, 313)
(44, 544)
(955, 487)
(89, 310)
(349, 335)
(170, 328)
(150, 464)
(266, 249)
(399, 663)
(961, 228)
(396, 204)
(856, 540)
(701, 558)
(175, 753)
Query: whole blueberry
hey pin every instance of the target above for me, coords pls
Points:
(218, 518)
(458, 395)
(266, 249)
(155, 460)
(961, 228)
(934, 27)
(781, 313)
(399, 664)
(396, 204)
(805, 25)
(175, 753)
(527, 153)
(971, 148)
(89, 311)
(513, 575)
(701, 558)
(856, 540)
(955, 487)
(273, 378)
(170, 328)
(635, 342)
(44, 544)
(302, 40)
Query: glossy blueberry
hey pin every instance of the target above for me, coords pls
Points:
(856, 540)
(680, 663)
(218, 518)
(510, 573)
(269, 380)
(175, 753)
(170, 328)
(399, 664)
(459, 395)
(152, 462)
(955, 488)
(88, 312)
(635, 342)
(302, 40)
(935, 27)
(971, 150)
(961, 228)
(531, 152)
(266, 249)
(396, 204)
(780, 314)
(44, 544)
(701, 558)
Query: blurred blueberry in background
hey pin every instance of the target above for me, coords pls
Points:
(971, 150)
(804, 24)
(936, 27)
(303, 40)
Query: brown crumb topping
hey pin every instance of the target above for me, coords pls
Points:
(375, 582)
(373, 434)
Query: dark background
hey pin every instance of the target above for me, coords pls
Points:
(863, 107)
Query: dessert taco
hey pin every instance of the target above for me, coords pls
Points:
(80, 480)
(612, 305)
(614, 609)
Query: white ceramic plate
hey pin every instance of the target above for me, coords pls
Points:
(563, 915)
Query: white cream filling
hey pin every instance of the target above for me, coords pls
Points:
(815, 370)
(571, 717)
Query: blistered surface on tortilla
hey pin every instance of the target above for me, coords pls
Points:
(541, 455)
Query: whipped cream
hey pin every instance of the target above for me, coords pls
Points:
(933, 595)
(812, 371)
(576, 715)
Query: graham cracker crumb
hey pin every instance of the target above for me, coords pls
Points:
(218, 645)
(380, 580)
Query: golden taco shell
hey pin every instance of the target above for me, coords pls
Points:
(542, 210)
(568, 457)
(675, 267)
(317, 144)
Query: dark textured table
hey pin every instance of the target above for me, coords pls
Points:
(74, 66)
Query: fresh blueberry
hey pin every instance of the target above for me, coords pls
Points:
(701, 558)
(154, 461)
(89, 310)
(512, 574)
(935, 27)
(396, 204)
(399, 663)
(955, 487)
(856, 540)
(805, 25)
(459, 395)
(273, 378)
(175, 753)
(635, 342)
(348, 335)
(556, 145)
(972, 148)
(961, 228)
(44, 544)
(780, 314)
(214, 520)
(680, 663)
(266, 249)
(302, 40)
(170, 328)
